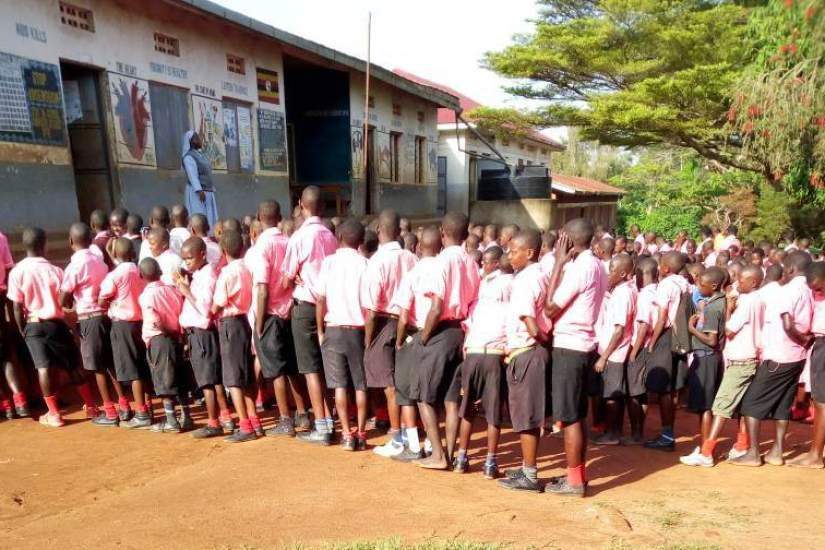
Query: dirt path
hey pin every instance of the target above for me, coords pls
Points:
(88, 487)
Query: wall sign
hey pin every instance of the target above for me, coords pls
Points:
(268, 86)
(31, 105)
(272, 140)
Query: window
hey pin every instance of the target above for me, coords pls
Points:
(235, 64)
(521, 145)
(237, 124)
(420, 155)
(170, 119)
(396, 109)
(371, 102)
(395, 152)
(420, 116)
(167, 44)
(77, 17)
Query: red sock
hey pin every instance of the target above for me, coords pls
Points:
(109, 407)
(575, 475)
(743, 442)
(708, 447)
(85, 391)
(361, 435)
(255, 422)
(142, 408)
(20, 400)
(212, 423)
(51, 403)
(246, 426)
(6, 405)
(226, 414)
(123, 403)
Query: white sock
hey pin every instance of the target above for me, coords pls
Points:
(412, 439)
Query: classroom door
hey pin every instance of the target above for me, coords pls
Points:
(372, 180)
(87, 137)
(442, 185)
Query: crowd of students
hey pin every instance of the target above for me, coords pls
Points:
(510, 325)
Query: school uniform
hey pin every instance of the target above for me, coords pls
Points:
(214, 254)
(82, 279)
(772, 392)
(384, 272)
(124, 285)
(816, 357)
(647, 313)
(705, 371)
(178, 236)
(98, 247)
(6, 263)
(170, 263)
(580, 295)
(307, 248)
(527, 371)
(35, 284)
(618, 309)
(160, 306)
(199, 331)
(340, 284)
(233, 293)
(667, 370)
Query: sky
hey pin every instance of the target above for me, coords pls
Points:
(440, 40)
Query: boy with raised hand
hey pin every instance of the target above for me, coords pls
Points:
(180, 230)
(383, 276)
(340, 318)
(170, 263)
(201, 336)
(614, 329)
(34, 288)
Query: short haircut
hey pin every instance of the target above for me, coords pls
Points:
(311, 199)
(150, 269)
(124, 249)
(774, 272)
(454, 225)
(495, 252)
(647, 265)
(716, 276)
(410, 241)
(580, 231)
(232, 242)
(199, 224)
(753, 271)
(194, 244)
(607, 245)
(121, 215)
(34, 239)
(549, 239)
(815, 271)
(733, 230)
(351, 233)
(529, 238)
(159, 234)
(81, 234)
(797, 260)
(430, 238)
(389, 222)
(759, 252)
(675, 261)
(232, 224)
(624, 261)
(269, 212)
(180, 211)
(134, 223)
(160, 214)
(99, 218)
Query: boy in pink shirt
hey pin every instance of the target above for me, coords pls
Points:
(160, 305)
(647, 277)
(785, 337)
(340, 318)
(99, 222)
(199, 227)
(170, 263)
(158, 219)
(34, 286)
(230, 304)
(119, 293)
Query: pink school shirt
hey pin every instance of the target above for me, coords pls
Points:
(82, 279)
(486, 325)
(340, 282)
(580, 295)
(214, 255)
(456, 283)
(618, 309)
(265, 266)
(668, 294)
(6, 260)
(233, 290)
(124, 285)
(169, 263)
(385, 270)
(548, 262)
(710, 261)
(527, 299)
(202, 286)
(35, 284)
(795, 299)
(306, 251)
(744, 328)
(730, 241)
(646, 312)
(412, 292)
(160, 305)
(818, 321)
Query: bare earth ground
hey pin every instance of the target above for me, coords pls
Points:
(89, 487)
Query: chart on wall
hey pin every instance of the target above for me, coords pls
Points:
(133, 120)
(272, 140)
(383, 156)
(31, 106)
(247, 155)
(357, 149)
(208, 116)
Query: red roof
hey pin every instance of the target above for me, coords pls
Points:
(586, 185)
(447, 116)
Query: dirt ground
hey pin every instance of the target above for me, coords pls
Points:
(89, 487)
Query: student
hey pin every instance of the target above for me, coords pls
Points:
(490, 236)
(10, 375)
(99, 222)
(548, 246)
(160, 306)
(158, 219)
(340, 319)
(180, 232)
(621, 246)
(81, 286)
(370, 244)
(574, 298)
(199, 227)
(707, 331)
(481, 371)
(170, 263)
(405, 225)
(785, 336)
(230, 304)
(614, 329)
(666, 369)
(604, 251)
(410, 243)
(201, 336)
(440, 341)
(304, 254)
(119, 294)
(134, 232)
(506, 235)
(381, 281)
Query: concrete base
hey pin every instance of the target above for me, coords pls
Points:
(530, 213)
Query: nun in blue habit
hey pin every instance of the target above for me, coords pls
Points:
(200, 190)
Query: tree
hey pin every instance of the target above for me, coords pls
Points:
(630, 73)
(589, 159)
(773, 215)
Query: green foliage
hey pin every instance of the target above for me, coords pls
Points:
(773, 215)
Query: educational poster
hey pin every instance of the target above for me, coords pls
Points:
(31, 105)
(133, 120)
(74, 105)
(357, 152)
(272, 140)
(268, 91)
(208, 116)
(247, 155)
(230, 130)
(383, 158)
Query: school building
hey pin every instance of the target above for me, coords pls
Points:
(96, 95)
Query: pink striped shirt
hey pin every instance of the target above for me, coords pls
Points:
(384, 272)
(794, 298)
(306, 251)
(160, 305)
(341, 282)
(618, 309)
(456, 283)
(35, 284)
(202, 286)
(486, 326)
(527, 299)
(233, 290)
(82, 279)
(265, 266)
(124, 285)
(579, 294)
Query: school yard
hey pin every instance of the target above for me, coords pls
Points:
(88, 487)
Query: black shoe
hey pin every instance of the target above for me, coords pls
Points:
(104, 420)
(563, 488)
(520, 483)
(186, 423)
(491, 471)
(661, 443)
(124, 415)
(408, 456)
(461, 465)
(316, 437)
(285, 426)
(382, 425)
(22, 412)
(207, 432)
(302, 421)
(348, 444)
(240, 437)
(360, 444)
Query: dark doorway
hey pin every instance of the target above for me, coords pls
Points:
(87, 137)
(442, 185)
(369, 172)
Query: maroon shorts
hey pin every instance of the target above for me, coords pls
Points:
(481, 379)
(527, 382)
(379, 358)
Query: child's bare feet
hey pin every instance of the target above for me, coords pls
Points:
(807, 460)
(431, 463)
(748, 459)
(774, 457)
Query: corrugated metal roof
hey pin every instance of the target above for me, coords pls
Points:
(583, 185)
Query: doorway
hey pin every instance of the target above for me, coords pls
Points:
(370, 175)
(85, 120)
(442, 185)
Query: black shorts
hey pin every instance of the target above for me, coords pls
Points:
(379, 357)
(163, 354)
(51, 344)
(481, 380)
(405, 362)
(343, 353)
(96, 343)
(704, 377)
(305, 337)
(666, 370)
(611, 381)
(204, 356)
(818, 370)
(568, 384)
(528, 389)
(235, 337)
(436, 363)
(634, 375)
(772, 391)
(275, 348)
(129, 351)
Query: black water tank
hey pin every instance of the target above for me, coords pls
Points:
(497, 183)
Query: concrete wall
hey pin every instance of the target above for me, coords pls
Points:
(532, 213)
